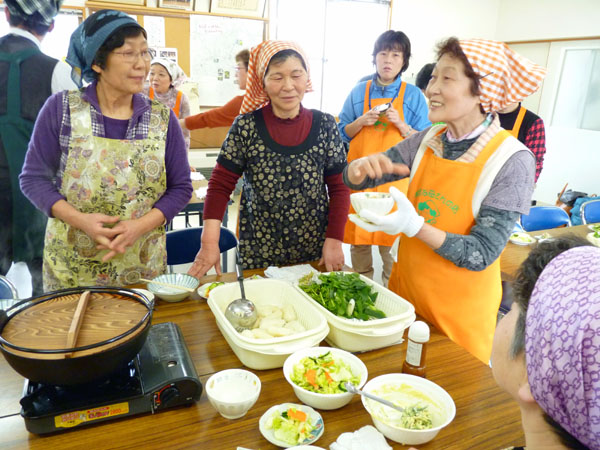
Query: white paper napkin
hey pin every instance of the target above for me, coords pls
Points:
(366, 437)
(291, 273)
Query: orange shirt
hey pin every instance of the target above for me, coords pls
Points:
(217, 117)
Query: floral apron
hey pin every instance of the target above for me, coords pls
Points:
(115, 177)
(370, 140)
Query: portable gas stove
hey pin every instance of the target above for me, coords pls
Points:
(161, 376)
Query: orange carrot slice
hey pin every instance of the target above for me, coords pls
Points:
(297, 414)
(311, 377)
(328, 377)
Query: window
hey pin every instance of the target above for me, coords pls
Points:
(338, 45)
(577, 102)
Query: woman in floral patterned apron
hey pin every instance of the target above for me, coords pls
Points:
(469, 182)
(294, 202)
(106, 164)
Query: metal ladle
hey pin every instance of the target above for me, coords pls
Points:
(354, 390)
(241, 312)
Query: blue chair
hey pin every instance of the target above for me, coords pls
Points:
(590, 211)
(184, 244)
(7, 289)
(545, 217)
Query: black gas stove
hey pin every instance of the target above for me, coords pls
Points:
(161, 376)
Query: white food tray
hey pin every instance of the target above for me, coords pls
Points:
(361, 335)
(270, 353)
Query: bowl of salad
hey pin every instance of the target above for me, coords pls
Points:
(427, 408)
(291, 426)
(318, 374)
(380, 203)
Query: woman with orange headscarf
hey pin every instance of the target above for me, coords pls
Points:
(469, 182)
(294, 202)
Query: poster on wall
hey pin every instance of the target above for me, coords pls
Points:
(254, 8)
(176, 4)
(155, 29)
(214, 42)
(169, 53)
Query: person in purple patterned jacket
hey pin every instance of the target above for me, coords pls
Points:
(106, 164)
(546, 351)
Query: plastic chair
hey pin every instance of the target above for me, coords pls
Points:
(590, 211)
(184, 244)
(544, 217)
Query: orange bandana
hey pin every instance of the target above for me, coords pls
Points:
(506, 76)
(255, 96)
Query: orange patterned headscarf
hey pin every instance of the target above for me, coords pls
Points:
(505, 76)
(260, 56)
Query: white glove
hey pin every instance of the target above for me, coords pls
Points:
(404, 220)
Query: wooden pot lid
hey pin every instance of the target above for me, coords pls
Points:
(47, 324)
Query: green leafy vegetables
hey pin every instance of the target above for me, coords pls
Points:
(345, 295)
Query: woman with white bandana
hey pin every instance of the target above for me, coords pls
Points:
(164, 77)
(294, 203)
(469, 182)
(546, 351)
(105, 163)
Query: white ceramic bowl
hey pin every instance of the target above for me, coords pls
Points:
(169, 294)
(324, 401)
(233, 392)
(380, 203)
(443, 410)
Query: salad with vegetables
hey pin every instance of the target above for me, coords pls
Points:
(522, 238)
(345, 295)
(292, 426)
(322, 374)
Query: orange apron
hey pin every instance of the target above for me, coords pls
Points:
(369, 140)
(461, 303)
(177, 101)
(518, 121)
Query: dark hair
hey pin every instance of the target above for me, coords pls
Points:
(244, 56)
(424, 76)
(33, 23)
(283, 55)
(451, 46)
(563, 435)
(528, 274)
(393, 40)
(115, 40)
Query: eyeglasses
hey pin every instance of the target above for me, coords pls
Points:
(131, 56)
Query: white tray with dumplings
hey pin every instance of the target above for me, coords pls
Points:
(268, 353)
(356, 335)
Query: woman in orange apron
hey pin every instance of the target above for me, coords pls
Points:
(378, 114)
(469, 181)
(165, 76)
(528, 128)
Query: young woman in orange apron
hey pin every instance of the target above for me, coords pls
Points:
(459, 210)
(373, 119)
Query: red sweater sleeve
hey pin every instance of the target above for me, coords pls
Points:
(220, 186)
(339, 204)
(216, 117)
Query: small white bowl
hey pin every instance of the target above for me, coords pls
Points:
(380, 203)
(169, 294)
(442, 414)
(324, 401)
(233, 392)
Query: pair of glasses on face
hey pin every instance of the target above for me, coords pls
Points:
(130, 56)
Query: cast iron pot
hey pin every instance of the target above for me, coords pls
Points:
(120, 349)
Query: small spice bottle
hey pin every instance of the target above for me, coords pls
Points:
(416, 350)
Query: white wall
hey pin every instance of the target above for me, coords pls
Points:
(547, 19)
(426, 22)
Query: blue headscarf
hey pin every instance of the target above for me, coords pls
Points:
(89, 37)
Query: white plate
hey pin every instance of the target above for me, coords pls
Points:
(594, 240)
(530, 239)
(594, 226)
(317, 420)
(202, 289)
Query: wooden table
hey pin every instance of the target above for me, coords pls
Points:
(513, 255)
(486, 417)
